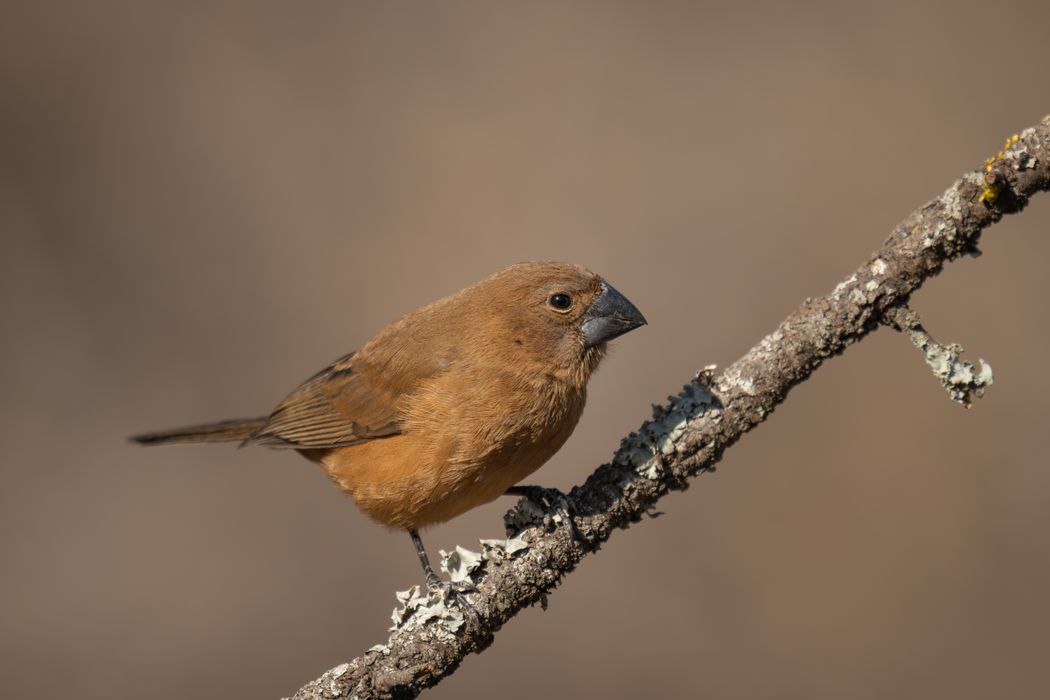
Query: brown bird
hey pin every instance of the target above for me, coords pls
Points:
(452, 405)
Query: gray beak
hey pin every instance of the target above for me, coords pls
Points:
(610, 316)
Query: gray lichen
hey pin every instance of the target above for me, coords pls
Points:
(416, 607)
(960, 377)
(841, 286)
(647, 450)
(1018, 151)
(460, 563)
(503, 549)
(945, 228)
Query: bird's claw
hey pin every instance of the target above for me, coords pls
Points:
(455, 590)
(550, 500)
(447, 588)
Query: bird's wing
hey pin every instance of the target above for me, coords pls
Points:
(336, 407)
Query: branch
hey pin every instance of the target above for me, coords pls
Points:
(688, 435)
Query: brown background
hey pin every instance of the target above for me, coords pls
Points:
(202, 204)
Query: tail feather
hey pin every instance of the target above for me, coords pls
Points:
(225, 431)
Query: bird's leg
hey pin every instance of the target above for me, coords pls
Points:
(549, 499)
(433, 580)
(455, 589)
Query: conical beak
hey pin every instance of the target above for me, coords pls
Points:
(610, 316)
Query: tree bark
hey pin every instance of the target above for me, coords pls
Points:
(689, 434)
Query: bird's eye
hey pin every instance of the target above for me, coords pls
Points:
(560, 301)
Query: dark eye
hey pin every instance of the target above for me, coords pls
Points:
(560, 301)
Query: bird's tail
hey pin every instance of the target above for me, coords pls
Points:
(225, 431)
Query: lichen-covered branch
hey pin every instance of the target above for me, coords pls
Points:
(688, 435)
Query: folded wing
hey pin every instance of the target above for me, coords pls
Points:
(340, 405)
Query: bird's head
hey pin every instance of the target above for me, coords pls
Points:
(557, 313)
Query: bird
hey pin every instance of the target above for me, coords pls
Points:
(452, 405)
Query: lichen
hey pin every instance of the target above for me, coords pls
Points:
(503, 549)
(733, 380)
(952, 201)
(960, 378)
(841, 286)
(417, 608)
(942, 231)
(1011, 150)
(460, 563)
(646, 450)
(1016, 149)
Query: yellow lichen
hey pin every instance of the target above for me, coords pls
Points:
(991, 189)
(990, 194)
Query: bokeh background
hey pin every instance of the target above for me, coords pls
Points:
(203, 203)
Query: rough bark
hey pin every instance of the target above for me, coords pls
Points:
(689, 434)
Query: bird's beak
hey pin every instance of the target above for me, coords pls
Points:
(610, 316)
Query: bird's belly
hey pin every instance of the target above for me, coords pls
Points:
(409, 481)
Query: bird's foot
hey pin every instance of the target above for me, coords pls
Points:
(455, 590)
(550, 501)
(447, 590)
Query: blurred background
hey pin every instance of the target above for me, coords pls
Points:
(201, 204)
